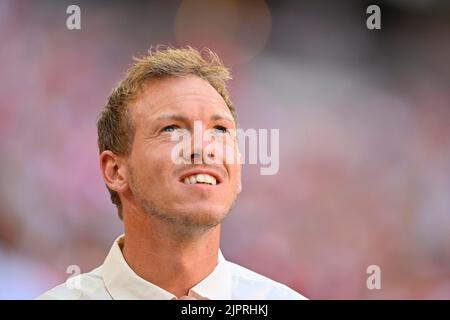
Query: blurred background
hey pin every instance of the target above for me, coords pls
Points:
(364, 119)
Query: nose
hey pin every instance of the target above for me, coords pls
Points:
(202, 145)
(202, 154)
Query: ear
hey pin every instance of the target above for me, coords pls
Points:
(114, 171)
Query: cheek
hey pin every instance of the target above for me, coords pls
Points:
(154, 164)
(234, 170)
(226, 151)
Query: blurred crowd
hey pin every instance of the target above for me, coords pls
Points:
(364, 119)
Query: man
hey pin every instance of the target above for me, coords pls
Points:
(171, 209)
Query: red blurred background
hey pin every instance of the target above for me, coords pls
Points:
(364, 119)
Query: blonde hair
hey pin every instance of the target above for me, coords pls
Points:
(115, 127)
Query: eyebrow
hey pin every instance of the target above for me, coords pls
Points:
(177, 117)
(221, 117)
(183, 118)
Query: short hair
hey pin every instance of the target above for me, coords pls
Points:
(115, 127)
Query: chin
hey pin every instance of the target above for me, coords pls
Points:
(207, 217)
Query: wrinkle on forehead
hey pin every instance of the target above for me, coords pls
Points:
(178, 94)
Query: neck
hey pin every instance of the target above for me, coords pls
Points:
(159, 255)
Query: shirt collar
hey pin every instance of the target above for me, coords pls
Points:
(123, 283)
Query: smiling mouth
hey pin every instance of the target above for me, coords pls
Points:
(201, 178)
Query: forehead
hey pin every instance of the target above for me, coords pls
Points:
(191, 96)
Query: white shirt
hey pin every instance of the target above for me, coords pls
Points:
(116, 280)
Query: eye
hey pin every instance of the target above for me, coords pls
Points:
(220, 129)
(170, 128)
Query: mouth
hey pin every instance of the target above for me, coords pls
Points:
(200, 178)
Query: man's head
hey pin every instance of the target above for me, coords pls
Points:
(163, 93)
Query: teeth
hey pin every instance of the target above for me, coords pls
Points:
(201, 178)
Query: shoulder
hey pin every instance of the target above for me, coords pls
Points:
(84, 286)
(248, 284)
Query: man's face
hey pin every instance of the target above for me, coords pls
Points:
(160, 186)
